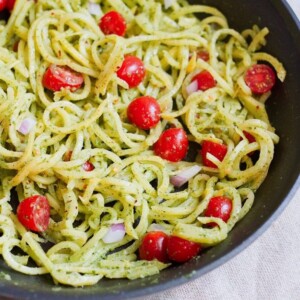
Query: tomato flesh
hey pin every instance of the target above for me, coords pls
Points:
(3, 4)
(10, 4)
(88, 166)
(215, 149)
(249, 137)
(154, 246)
(57, 77)
(34, 213)
(144, 112)
(113, 23)
(132, 71)
(203, 54)
(204, 80)
(172, 145)
(260, 78)
(181, 250)
(219, 207)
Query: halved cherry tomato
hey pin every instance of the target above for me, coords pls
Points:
(260, 78)
(144, 112)
(113, 23)
(88, 166)
(249, 137)
(215, 149)
(58, 77)
(205, 80)
(219, 207)
(3, 4)
(34, 213)
(154, 246)
(132, 71)
(172, 145)
(203, 54)
(10, 4)
(181, 250)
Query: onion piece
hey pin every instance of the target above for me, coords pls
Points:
(156, 227)
(185, 175)
(168, 3)
(94, 9)
(27, 125)
(192, 87)
(115, 233)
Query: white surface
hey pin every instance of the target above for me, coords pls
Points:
(269, 269)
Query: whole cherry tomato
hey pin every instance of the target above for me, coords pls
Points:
(260, 78)
(205, 80)
(181, 250)
(172, 145)
(132, 71)
(34, 213)
(219, 207)
(215, 149)
(58, 77)
(113, 23)
(3, 4)
(10, 4)
(154, 246)
(144, 112)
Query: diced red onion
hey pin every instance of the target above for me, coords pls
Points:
(185, 175)
(192, 87)
(94, 9)
(156, 227)
(168, 3)
(115, 233)
(27, 125)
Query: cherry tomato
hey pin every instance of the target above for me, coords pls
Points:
(144, 112)
(205, 80)
(58, 77)
(3, 4)
(249, 137)
(219, 207)
(203, 54)
(181, 250)
(132, 71)
(215, 149)
(88, 166)
(10, 4)
(113, 23)
(154, 246)
(260, 78)
(67, 156)
(172, 145)
(34, 213)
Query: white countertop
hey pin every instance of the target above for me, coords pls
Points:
(269, 269)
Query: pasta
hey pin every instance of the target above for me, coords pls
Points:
(129, 184)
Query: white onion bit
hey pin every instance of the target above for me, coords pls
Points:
(185, 175)
(115, 233)
(192, 87)
(94, 9)
(168, 3)
(27, 125)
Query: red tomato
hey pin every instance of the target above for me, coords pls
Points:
(144, 112)
(3, 4)
(132, 70)
(88, 166)
(172, 145)
(215, 149)
(205, 80)
(260, 78)
(154, 246)
(10, 4)
(181, 250)
(113, 23)
(58, 77)
(34, 213)
(219, 207)
(203, 54)
(249, 137)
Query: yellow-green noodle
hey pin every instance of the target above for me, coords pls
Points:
(92, 123)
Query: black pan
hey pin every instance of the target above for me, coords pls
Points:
(272, 197)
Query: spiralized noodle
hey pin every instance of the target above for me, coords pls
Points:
(130, 184)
